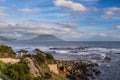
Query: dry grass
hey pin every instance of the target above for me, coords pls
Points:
(10, 60)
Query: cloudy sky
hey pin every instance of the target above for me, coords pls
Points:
(67, 19)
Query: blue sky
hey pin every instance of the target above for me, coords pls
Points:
(81, 20)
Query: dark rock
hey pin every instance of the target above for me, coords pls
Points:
(96, 64)
(107, 59)
(61, 68)
(77, 70)
(96, 71)
(89, 73)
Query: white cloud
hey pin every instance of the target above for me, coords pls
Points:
(11, 35)
(29, 10)
(66, 31)
(103, 34)
(74, 6)
(118, 27)
(111, 13)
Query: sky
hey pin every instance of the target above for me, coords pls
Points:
(72, 20)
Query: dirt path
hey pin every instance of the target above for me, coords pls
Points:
(10, 60)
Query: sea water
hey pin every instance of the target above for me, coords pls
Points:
(95, 52)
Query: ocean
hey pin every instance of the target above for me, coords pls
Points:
(95, 51)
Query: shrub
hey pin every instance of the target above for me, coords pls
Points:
(6, 51)
(18, 71)
(4, 77)
(2, 65)
(39, 57)
(49, 56)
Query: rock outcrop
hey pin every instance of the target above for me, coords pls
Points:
(77, 70)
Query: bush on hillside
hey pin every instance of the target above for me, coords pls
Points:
(49, 56)
(18, 71)
(39, 57)
(6, 51)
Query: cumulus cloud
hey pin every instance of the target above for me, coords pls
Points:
(29, 10)
(111, 13)
(38, 28)
(63, 30)
(74, 6)
(66, 31)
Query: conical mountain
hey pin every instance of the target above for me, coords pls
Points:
(46, 37)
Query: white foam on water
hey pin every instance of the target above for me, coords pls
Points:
(101, 51)
(103, 55)
(62, 51)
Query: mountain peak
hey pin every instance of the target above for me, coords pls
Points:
(46, 37)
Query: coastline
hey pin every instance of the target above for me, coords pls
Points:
(76, 63)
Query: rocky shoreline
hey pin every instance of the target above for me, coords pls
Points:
(77, 70)
(42, 66)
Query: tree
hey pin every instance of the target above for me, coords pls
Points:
(6, 51)
(40, 56)
(22, 52)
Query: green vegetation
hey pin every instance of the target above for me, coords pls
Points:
(2, 67)
(21, 70)
(42, 57)
(18, 71)
(49, 56)
(6, 52)
(39, 57)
